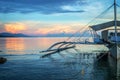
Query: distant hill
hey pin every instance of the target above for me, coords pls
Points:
(5, 34)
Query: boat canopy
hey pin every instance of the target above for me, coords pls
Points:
(104, 25)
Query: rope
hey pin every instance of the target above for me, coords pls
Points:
(97, 17)
(91, 32)
(118, 5)
(84, 29)
(91, 22)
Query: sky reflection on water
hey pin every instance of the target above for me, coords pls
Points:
(26, 45)
(24, 62)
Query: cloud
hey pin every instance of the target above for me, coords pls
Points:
(58, 28)
(41, 6)
(40, 28)
(14, 27)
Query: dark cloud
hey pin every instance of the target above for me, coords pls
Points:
(41, 6)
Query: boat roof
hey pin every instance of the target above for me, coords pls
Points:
(104, 25)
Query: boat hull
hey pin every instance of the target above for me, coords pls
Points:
(115, 51)
(114, 60)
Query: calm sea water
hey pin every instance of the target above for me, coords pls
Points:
(24, 62)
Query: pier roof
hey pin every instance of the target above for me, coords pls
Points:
(104, 25)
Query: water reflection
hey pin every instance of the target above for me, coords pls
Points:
(47, 42)
(83, 66)
(68, 64)
(16, 44)
(79, 66)
(26, 45)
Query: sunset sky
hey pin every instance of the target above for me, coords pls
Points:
(34, 17)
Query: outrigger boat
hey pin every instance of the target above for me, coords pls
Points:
(109, 39)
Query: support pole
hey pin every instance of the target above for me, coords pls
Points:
(115, 20)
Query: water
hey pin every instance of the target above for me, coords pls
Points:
(24, 62)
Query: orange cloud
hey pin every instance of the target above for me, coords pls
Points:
(15, 27)
(55, 29)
